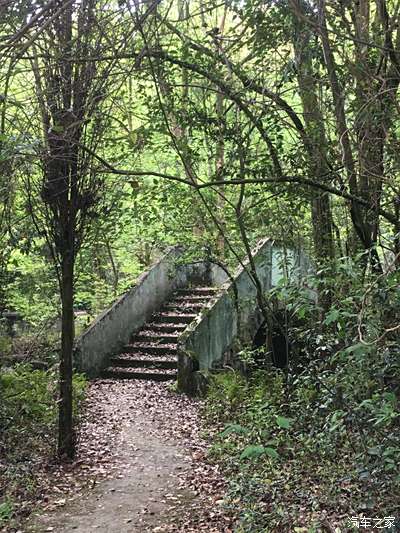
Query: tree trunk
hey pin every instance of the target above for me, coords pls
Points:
(342, 128)
(316, 143)
(220, 143)
(371, 141)
(66, 437)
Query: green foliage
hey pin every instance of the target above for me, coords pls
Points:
(253, 451)
(254, 421)
(226, 116)
(234, 428)
(5, 345)
(29, 397)
(28, 419)
(227, 392)
(6, 511)
(283, 422)
(28, 394)
(173, 387)
(328, 424)
(32, 287)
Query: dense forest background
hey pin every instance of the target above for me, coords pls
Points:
(127, 126)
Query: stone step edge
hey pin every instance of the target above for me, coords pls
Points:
(138, 374)
(165, 364)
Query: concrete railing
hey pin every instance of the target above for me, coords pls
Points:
(115, 326)
(233, 316)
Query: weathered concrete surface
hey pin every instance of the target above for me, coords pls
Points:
(233, 316)
(287, 263)
(198, 273)
(113, 328)
(202, 273)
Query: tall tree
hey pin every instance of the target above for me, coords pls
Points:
(373, 67)
(346, 142)
(72, 83)
(316, 143)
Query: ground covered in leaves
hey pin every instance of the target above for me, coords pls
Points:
(141, 466)
(292, 465)
(271, 453)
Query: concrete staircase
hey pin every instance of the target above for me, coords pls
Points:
(156, 330)
(151, 353)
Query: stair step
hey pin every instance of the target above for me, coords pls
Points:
(177, 317)
(152, 336)
(167, 327)
(183, 307)
(191, 299)
(144, 362)
(152, 353)
(196, 291)
(156, 349)
(139, 373)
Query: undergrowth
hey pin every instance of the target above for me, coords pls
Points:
(315, 447)
(28, 419)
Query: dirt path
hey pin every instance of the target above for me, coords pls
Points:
(140, 467)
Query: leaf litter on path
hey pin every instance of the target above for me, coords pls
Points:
(140, 467)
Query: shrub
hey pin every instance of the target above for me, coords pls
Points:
(320, 438)
(29, 397)
(28, 421)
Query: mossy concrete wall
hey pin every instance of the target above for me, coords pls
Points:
(232, 318)
(114, 328)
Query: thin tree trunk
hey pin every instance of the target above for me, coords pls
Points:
(316, 143)
(343, 131)
(66, 438)
(220, 147)
(113, 266)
